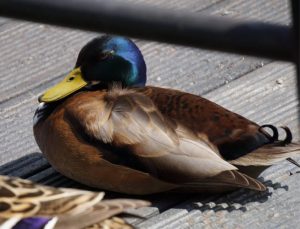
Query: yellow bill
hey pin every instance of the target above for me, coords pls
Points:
(71, 83)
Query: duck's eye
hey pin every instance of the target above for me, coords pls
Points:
(105, 55)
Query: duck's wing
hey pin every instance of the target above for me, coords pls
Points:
(26, 203)
(127, 120)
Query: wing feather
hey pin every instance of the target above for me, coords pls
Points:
(129, 119)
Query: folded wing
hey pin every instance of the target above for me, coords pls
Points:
(164, 148)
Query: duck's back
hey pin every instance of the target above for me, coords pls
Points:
(233, 134)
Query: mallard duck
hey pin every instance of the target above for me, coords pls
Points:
(24, 204)
(103, 127)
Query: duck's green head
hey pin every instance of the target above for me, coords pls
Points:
(103, 60)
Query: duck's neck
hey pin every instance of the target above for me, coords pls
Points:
(132, 68)
(131, 73)
(137, 74)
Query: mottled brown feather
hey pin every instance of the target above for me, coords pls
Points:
(199, 114)
(113, 223)
(233, 134)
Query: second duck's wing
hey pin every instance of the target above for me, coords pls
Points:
(69, 208)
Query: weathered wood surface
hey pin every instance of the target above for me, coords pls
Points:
(34, 57)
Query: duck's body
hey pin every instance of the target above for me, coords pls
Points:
(25, 204)
(120, 154)
(144, 140)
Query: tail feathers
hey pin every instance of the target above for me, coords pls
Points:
(239, 179)
(268, 155)
(225, 181)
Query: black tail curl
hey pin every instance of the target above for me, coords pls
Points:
(275, 137)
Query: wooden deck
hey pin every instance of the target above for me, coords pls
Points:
(34, 57)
